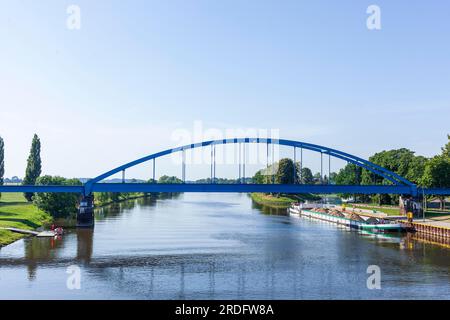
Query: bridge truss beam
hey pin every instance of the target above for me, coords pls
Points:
(374, 168)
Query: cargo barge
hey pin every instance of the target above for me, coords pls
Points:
(348, 219)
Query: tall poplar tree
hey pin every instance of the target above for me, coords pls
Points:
(33, 170)
(2, 161)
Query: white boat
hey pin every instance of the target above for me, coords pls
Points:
(46, 234)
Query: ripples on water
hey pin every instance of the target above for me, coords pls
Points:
(219, 246)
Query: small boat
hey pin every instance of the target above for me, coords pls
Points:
(51, 233)
(46, 234)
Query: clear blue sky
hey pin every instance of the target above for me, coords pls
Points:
(138, 71)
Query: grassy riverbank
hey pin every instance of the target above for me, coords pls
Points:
(16, 212)
(280, 201)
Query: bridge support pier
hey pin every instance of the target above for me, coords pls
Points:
(85, 215)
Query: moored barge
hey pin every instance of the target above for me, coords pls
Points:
(348, 219)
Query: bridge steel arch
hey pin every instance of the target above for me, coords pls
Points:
(394, 178)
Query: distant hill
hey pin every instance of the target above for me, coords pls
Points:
(117, 180)
(13, 180)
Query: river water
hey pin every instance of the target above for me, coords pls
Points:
(218, 246)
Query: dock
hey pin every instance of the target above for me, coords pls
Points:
(430, 227)
(32, 233)
(438, 227)
(430, 239)
(22, 231)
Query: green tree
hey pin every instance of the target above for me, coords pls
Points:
(2, 162)
(397, 161)
(58, 205)
(297, 172)
(33, 170)
(416, 169)
(285, 171)
(446, 148)
(259, 177)
(219, 180)
(167, 179)
(307, 176)
(317, 178)
(437, 174)
(351, 174)
(303, 175)
(114, 196)
(333, 176)
(401, 161)
(102, 197)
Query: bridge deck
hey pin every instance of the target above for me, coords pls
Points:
(239, 188)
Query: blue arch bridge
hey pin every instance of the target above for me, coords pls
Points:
(399, 185)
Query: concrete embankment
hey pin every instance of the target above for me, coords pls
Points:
(429, 227)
